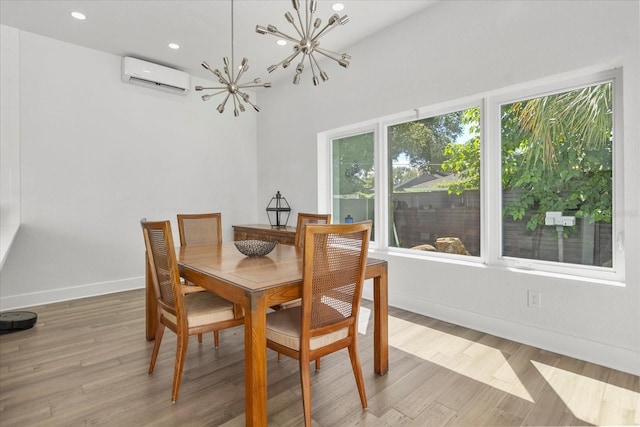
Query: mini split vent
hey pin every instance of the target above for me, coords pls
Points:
(148, 74)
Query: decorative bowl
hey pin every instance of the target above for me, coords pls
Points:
(255, 248)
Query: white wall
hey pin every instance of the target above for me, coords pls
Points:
(9, 140)
(453, 50)
(97, 155)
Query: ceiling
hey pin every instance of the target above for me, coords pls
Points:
(144, 28)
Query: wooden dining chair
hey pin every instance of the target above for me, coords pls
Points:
(308, 218)
(303, 220)
(335, 258)
(186, 315)
(200, 229)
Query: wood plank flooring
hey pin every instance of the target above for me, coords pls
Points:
(85, 364)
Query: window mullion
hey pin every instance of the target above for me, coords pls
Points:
(381, 206)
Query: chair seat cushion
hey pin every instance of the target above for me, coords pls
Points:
(204, 308)
(283, 327)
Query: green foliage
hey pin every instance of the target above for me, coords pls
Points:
(423, 141)
(556, 153)
(403, 174)
(353, 157)
(464, 159)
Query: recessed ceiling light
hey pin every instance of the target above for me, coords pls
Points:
(337, 7)
(281, 42)
(79, 16)
(174, 46)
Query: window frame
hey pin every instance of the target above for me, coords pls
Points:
(494, 176)
(422, 113)
(325, 169)
(491, 175)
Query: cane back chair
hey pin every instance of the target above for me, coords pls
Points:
(335, 258)
(186, 315)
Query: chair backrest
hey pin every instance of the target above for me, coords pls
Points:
(335, 258)
(308, 218)
(200, 229)
(163, 265)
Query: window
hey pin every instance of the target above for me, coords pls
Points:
(434, 183)
(557, 176)
(526, 178)
(353, 178)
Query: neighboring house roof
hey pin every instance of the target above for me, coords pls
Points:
(428, 182)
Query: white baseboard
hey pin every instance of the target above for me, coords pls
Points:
(65, 294)
(622, 359)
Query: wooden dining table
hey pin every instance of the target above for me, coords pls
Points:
(255, 284)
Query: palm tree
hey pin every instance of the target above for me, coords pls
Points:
(581, 119)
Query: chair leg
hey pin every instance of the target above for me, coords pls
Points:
(318, 364)
(279, 357)
(357, 373)
(199, 338)
(216, 338)
(305, 382)
(181, 352)
(156, 347)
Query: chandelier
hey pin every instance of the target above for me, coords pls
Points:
(308, 44)
(230, 81)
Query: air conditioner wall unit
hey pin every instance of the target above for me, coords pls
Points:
(143, 73)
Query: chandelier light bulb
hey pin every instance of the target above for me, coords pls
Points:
(307, 42)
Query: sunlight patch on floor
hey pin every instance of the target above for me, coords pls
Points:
(577, 391)
(363, 319)
(466, 357)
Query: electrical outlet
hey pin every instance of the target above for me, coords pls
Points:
(534, 299)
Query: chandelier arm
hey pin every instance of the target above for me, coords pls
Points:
(240, 73)
(210, 87)
(243, 95)
(207, 97)
(218, 93)
(248, 101)
(285, 36)
(236, 101)
(312, 34)
(299, 31)
(224, 102)
(324, 31)
(311, 61)
(315, 79)
(229, 75)
(218, 75)
(307, 12)
(329, 54)
(287, 59)
(301, 63)
(302, 26)
(247, 85)
(316, 62)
